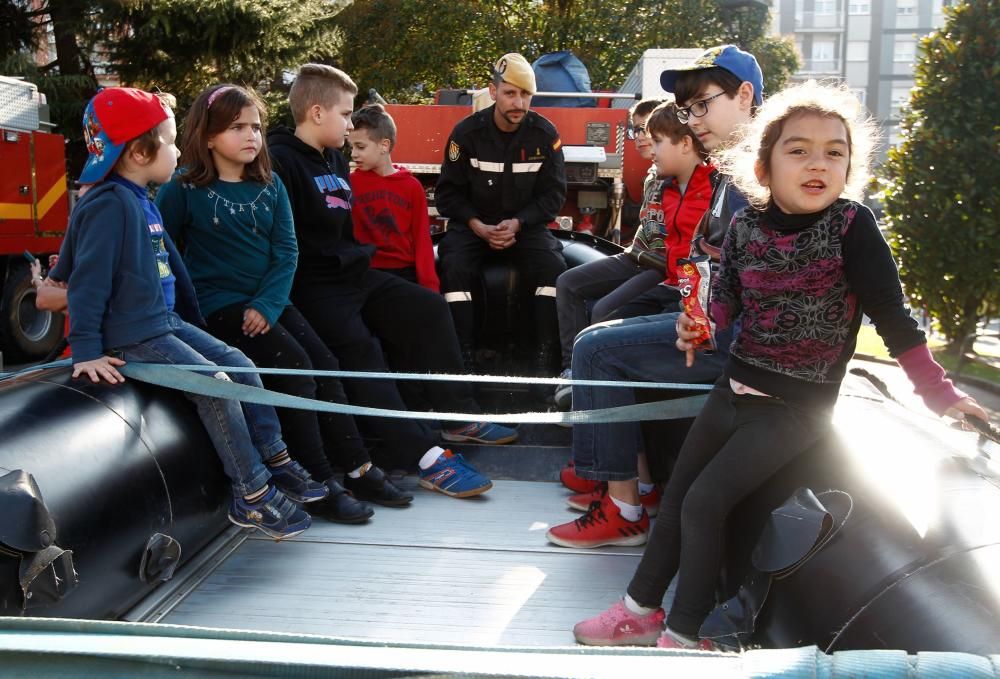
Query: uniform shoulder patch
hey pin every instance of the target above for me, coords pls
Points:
(557, 144)
(454, 151)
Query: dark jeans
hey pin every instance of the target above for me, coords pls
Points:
(607, 283)
(640, 348)
(315, 439)
(659, 299)
(243, 434)
(736, 444)
(357, 321)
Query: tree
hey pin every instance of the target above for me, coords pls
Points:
(182, 46)
(409, 48)
(939, 186)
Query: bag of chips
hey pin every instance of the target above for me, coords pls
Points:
(694, 279)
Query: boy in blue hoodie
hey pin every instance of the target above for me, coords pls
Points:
(125, 279)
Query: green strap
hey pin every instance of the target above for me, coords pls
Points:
(176, 377)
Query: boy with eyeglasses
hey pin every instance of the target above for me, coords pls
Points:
(717, 93)
(675, 196)
(607, 282)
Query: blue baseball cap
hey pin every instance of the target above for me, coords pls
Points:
(113, 118)
(727, 57)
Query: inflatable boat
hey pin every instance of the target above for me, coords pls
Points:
(113, 507)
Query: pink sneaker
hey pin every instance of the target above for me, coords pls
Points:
(618, 626)
(671, 639)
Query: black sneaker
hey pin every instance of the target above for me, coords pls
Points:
(295, 482)
(376, 487)
(340, 506)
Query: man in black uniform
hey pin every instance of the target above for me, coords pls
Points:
(502, 181)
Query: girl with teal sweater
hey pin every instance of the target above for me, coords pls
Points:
(231, 216)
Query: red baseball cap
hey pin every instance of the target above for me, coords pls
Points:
(114, 117)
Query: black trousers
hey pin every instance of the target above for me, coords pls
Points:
(314, 439)
(736, 443)
(379, 316)
(536, 254)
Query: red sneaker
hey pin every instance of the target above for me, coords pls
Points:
(602, 525)
(569, 479)
(618, 626)
(671, 639)
(581, 501)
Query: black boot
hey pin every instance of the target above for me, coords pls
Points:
(376, 487)
(340, 506)
(545, 360)
(469, 359)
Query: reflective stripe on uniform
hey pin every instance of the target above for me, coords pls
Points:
(463, 296)
(526, 167)
(485, 165)
(545, 291)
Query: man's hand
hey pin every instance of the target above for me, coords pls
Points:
(499, 236)
(100, 368)
(254, 323)
(687, 331)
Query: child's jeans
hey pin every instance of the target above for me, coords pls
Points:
(242, 436)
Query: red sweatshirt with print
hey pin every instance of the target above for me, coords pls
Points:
(390, 213)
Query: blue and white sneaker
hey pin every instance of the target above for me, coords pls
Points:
(480, 432)
(295, 482)
(274, 515)
(453, 476)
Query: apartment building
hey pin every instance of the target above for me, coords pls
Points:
(869, 44)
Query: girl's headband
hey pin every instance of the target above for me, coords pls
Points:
(215, 95)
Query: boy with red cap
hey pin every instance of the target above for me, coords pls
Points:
(125, 280)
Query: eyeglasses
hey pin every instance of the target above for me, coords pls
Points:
(697, 109)
(633, 132)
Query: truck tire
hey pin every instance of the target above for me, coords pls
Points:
(26, 334)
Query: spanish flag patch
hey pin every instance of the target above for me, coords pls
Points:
(557, 144)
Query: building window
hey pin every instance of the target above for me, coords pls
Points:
(906, 7)
(822, 59)
(857, 50)
(904, 51)
(825, 7)
(862, 7)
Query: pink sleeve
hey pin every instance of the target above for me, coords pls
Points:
(423, 255)
(928, 378)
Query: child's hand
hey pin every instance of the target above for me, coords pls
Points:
(687, 330)
(100, 368)
(967, 406)
(53, 260)
(254, 323)
(36, 270)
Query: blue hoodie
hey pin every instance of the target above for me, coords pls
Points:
(114, 289)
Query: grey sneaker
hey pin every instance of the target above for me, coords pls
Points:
(563, 396)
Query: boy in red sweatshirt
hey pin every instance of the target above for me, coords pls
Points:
(389, 209)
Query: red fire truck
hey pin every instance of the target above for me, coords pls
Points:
(34, 212)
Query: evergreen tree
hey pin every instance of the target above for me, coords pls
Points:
(940, 185)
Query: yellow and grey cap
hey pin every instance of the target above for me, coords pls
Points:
(515, 69)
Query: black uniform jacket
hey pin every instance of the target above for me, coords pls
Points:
(491, 177)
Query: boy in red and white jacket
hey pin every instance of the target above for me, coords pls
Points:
(389, 208)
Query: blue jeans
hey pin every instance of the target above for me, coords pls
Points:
(242, 436)
(641, 348)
